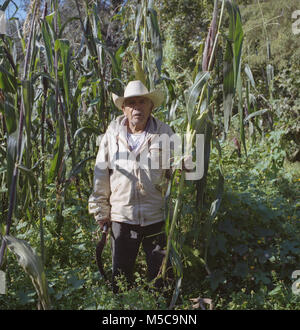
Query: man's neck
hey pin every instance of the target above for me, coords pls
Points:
(133, 129)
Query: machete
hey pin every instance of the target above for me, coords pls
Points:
(99, 250)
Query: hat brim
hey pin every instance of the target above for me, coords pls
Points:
(157, 97)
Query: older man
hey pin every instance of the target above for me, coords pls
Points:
(127, 193)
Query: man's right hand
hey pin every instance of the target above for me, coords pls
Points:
(103, 222)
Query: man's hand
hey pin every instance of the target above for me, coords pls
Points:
(188, 164)
(103, 222)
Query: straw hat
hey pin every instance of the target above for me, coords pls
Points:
(137, 88)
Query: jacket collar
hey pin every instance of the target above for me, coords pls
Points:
(152, 130)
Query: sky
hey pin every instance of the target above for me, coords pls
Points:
(21, 14)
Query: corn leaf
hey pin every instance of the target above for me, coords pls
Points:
(232, 59)
(256, 113)
(27, 93)
(57, 152)
(32, 265)
(249, 75)
(228, 85)
(241, 111)
(11, 156)
(10, 115)
(155, 38)
(138, 70)
(138, 20)
(7, 81)
(120, 53)
(5, 4)
(63, 46)
(76, 170)
(192, 94)
(236, 34)
(48, 44)
(87, 130)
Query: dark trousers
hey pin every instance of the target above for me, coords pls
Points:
(125, 242)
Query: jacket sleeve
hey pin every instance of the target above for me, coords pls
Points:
(98, 203)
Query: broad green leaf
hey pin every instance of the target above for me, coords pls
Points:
(217, 278)
(116, 70)
(57, 152)
(120, 53)
(77, 169)
(192, 94)
(49, 18)
(75, 282)
(9, 112)
(175, 292)
(228, 85)
(201, 122)
(249, 75)
(236, 35)
(96, 23)
(138, 69)
(77, 94)
(241, 110)
(220, 187)
(27, 93)
(232, 59)
(63, 46)
(240, 269)
(261, 276)
(277, 290)
(29, 173)
(139, 16)
(11, 157)
(7, 81)
(270, 74)
(5, 4)
(87, 130)
(32, 265)
(256, 113)
(155, 38)
(48, 44)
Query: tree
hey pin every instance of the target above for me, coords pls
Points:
(268, 33)
(184, 25)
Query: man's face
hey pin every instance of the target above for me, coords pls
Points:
(137, 110)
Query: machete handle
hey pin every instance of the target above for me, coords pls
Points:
(105, 228)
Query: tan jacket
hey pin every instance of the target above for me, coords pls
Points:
(126, 190)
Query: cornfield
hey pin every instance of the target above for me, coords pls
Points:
(55, 100)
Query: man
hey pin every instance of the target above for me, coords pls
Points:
(127, 192)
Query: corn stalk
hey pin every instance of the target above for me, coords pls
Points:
(24, 93)
(198, 103)
(60, 85)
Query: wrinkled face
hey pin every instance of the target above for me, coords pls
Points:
(137, 110)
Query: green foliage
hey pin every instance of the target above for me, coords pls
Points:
(270, 25)
(287, 108)
(184, 25)
(32, 265)
(254, 247)
(234, 235)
